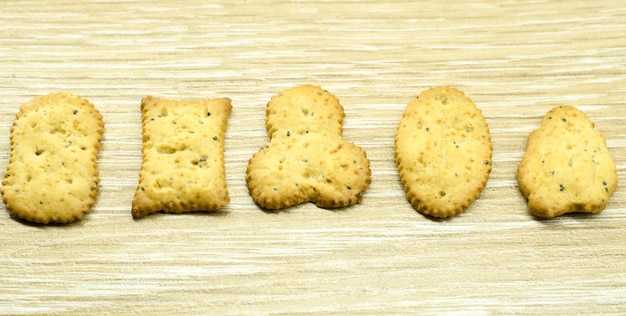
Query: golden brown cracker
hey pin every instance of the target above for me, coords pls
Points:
(52, 174)
(567, 167)
(443, 152)
(183, 156)
(307, 159)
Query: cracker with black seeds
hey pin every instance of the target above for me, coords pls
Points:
(443, 152)
(183, 156)
(52, 175)
(567, 167)
(307, 160)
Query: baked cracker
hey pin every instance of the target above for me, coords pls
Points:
(566, 167)
(52, 175)
(443, 152)
(307, 159)
(183, 156)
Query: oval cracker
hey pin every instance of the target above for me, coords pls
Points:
(443, 152)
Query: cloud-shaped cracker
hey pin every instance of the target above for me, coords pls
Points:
(307, 159)
(567, 167)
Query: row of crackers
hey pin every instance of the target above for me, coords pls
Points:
(442, 149)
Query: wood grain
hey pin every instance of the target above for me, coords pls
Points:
(516, 60)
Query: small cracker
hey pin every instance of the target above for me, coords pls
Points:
(567, 167)
(306, 159)
(183, 156)
(443, 152)
(52, 175)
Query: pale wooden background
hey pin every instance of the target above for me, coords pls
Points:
(516, 60)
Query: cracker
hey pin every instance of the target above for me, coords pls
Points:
(566, 167)
(183, 156)
(52, 175)
(443, 152)
(307, 159)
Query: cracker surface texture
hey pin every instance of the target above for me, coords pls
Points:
(567, 167)
(443, 152)
(307, 159)
(52, 175)
(183, 156)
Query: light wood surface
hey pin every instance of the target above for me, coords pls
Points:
(515, 59)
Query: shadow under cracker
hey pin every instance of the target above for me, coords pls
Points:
(303, 205)
(572, 215)
(78, 222)
(437, 219)
(197, 213)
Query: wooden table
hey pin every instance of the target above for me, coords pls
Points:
(516, 60)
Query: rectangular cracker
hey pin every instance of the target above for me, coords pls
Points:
(183, 156)
(52, 174)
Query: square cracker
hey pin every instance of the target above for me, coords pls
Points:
(183, 156)
(52, 175)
